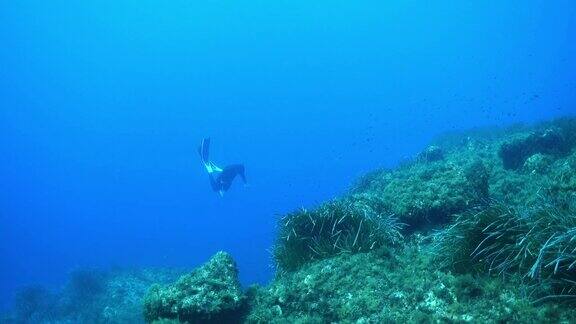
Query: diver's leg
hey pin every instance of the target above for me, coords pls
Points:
(236, 170)
(216, 185)
(204, 150)
(213, 183)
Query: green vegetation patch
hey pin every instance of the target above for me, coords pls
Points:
(358, 223)
(538, 244)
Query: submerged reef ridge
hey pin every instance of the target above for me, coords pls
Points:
(480, 227)
(477, 240)
(401, 286)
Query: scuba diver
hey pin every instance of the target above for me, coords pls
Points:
(220, 179)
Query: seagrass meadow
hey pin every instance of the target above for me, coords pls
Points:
(480, 227)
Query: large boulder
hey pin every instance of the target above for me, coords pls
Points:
(428, 194)
(209, 294)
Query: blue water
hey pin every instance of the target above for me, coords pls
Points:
(102, 105)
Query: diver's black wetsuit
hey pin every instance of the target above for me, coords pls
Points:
(223, 180)
(220, 179)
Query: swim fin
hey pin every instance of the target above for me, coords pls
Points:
(214, 167)
(204, 151)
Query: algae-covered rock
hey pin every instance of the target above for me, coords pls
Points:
(427, 194)
(210, 294)
(537, 164)
(516, 150)
(402, 286)
(478, 179)
(562, 180)
(502, 249)
(542, 177)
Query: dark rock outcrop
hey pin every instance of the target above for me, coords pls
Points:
(516, 151)
(209, 294)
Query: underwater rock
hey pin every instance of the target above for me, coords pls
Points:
(486, 262)
(515, 151)
(477, 175)
(425, 195)
(431, 154)
(209, 294)
(359, 223)
(562, 177)
(405, 287)
(537, 164)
